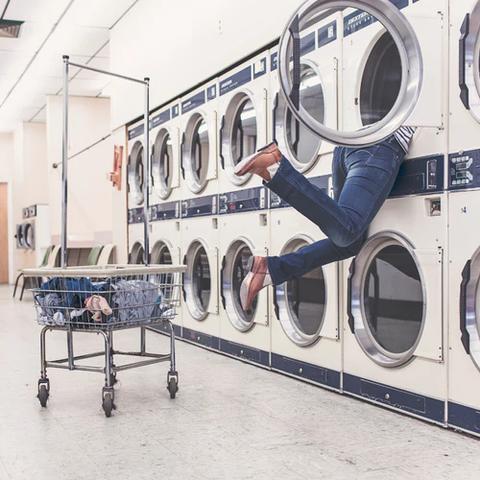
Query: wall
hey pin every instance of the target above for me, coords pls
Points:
(89, 190)
(6, 175)
(179, 44)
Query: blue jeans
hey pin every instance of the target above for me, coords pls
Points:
(362, 180)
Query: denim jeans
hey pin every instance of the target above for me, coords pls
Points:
(362, 180)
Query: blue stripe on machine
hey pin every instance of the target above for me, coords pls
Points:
(175, 111)
(314, 373)
(237, 80)
(136, 132)
(463, 417)
(193, 102)
(429, 408)
(307, 44)
(203, 339)
(248, 200)
(360, 19)
(419, 176)
(200, 207)
(165, 211)
(254, 355)
(327, 34)
(160, 119)
(274, 61)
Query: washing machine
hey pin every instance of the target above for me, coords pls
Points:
(165, 154)
(199, 142)
(305, 330)
(244, 231)
(244, 119)
(165, 246)
(33, 235)
(394, 324)
(136, 193)
(321, 50)
(464, 239)
(199, 252)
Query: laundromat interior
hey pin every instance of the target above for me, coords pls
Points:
(137, 220)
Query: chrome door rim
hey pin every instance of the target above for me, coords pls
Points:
(232, 313)
(135, 250)
(472, 57)
(188, 155)
(364, 336)
(234, 105)
(28, 227)
(285, 314)
(157, 250)
(192, 304)
(136, 192)
(162, 189)
(472, 309)
(412, 70)
(281, 121)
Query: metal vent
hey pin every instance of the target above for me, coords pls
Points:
(10, 28)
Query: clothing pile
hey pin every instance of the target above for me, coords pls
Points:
(83, 302)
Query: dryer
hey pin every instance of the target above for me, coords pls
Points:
(305, 331)
(165, 156)
(321, 50)
(33, 235)
(464, 198)
(394, 345)
(199, 251)
(243, 118)
(136, 192)
(244, 231)
(199, 141)
(372, 72)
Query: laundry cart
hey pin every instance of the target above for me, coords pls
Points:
(103, 300)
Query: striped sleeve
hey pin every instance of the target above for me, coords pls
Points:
(404, 136)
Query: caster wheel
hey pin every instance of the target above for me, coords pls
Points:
(107, 404)
(43, 392)
(172, 387)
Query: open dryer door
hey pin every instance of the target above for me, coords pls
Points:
(469, 80)
(393, 87)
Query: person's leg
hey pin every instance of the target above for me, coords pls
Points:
(296, 264)
(371, 173)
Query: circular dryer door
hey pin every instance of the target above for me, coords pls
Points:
(137, 254)
(161, 254)
(196, 153)
(29, 235)
(238, 134)
(387, 300)
(380, 70)
(302, 144)
(197, 281)
(235, 269)
(136, 174)
(469, 308)
(470, 62)
(19, 236)
(301, 302)
(162, 164)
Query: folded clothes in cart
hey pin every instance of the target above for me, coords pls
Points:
(80, 301)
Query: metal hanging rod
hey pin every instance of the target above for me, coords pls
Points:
(146, 173)
(111, 74)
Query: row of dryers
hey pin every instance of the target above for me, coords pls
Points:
(397, 325)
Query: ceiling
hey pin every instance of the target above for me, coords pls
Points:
(31, 65)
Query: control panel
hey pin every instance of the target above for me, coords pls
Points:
(248, 200)
(464, 170)
(419, 176)
(200, 207)
(165, 211)
(135, 215)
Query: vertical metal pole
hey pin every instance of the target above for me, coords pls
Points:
(146, 175)
(65, 162)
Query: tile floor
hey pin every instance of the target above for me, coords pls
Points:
(229, 421)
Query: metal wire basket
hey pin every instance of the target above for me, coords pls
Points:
(112, 297)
